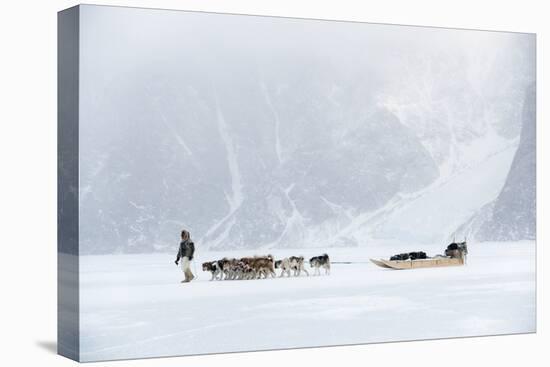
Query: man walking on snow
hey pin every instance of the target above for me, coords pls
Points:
(185, 253)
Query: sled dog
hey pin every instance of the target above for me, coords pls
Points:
(214, 268)
(297, 264)
(284, 265)
(319, 262)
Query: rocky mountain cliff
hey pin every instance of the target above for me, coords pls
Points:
(512, 215)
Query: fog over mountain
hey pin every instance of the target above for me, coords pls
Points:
(258, 132)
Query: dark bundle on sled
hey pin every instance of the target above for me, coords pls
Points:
(457, 249)
(400, 257)
(417, 255)
(453, 246)
(411, 255)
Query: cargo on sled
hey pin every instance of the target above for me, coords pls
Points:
(455, 255)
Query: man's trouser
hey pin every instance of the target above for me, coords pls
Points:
(186, 267)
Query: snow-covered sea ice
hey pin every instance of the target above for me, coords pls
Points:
(134, 306)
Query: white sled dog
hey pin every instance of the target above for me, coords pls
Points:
(288, 264)
(320, 261)
(284, 265)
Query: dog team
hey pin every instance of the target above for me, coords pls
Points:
(247, 267)
(257, 267)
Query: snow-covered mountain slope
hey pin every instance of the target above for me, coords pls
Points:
(512, 215)
(432, 214)
(259, 132)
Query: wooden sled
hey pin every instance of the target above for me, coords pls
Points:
(435, 262)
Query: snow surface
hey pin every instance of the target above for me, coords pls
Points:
(133, 306)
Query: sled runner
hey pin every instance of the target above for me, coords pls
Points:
(434, 262)
(380, 263)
